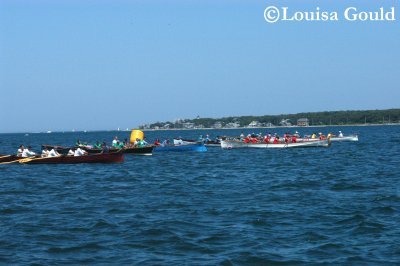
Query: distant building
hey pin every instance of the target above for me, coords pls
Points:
(232, 125)
(145, 126)
(303, 122)
(217, 125)
(269, 124)
(285, 123)
(166, 126)
(255, 124)
(188, 125)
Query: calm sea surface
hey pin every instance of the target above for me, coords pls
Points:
(328, 206)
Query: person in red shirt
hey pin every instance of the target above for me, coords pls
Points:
(294, 139)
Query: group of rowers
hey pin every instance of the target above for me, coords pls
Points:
(25, 152)
(116, 144)
(287, 137)
(126, 144)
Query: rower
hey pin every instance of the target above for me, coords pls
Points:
(71, 152)
(126, 143)
(165, 143)
(97, 145)
(80, 152)
(157, 142)
(104, 148)
(27, 152)
(20, 150)
(115, 141)
(340, 134)
(53, 153)
(321, 136)
(120, 145)
(314, 136)
(45, 152)
(141, 143)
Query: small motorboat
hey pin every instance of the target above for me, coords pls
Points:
(198, 147)
(345, 138)
(207, 143)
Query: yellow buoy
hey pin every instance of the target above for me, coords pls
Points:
(136, 134)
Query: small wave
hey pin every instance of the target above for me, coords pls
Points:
(103, 224)
(78, 248)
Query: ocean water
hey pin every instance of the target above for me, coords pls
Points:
(326, 206)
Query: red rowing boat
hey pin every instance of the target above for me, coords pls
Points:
(114, 157)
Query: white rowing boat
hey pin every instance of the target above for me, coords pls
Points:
(234, 144)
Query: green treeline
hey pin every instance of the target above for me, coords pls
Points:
(314, 119)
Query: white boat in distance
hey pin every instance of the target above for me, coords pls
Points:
(234, 144)
(345, 138)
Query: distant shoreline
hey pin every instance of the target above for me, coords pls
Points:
(211, 128)
(199, 129)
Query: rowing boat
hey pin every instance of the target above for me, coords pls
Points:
(199, 147)
(147, 150)
(114, 157)
(8, 158)
(233, 144)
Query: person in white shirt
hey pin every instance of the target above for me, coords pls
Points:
(79, 152)
(340, 134)
(27, 152)
(53, 153)
(20, 150)
(115, 142)
(45, 152)
(71, 152)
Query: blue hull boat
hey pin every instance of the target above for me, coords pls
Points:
(199, 147)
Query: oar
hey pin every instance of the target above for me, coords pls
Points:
(33, 158)
(4, 156)
(11, 161)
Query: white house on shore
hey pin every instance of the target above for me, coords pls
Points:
(255, 124)
(303, 122)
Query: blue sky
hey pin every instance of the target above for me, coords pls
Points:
(90, 65)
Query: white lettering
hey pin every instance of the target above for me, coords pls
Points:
(351, 14)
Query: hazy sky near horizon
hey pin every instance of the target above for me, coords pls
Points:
(90, 65)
